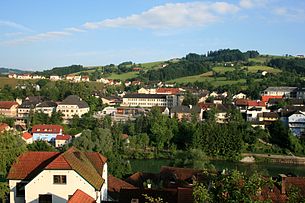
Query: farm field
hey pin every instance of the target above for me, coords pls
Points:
(123, 76)
(8, 81)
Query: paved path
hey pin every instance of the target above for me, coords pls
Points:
(289, 159)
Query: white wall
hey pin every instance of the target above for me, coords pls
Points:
(43, 184)
(13, 198)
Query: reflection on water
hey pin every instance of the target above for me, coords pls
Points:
(270, 169)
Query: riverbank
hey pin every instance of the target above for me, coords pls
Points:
(284, 159)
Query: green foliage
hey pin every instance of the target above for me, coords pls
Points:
(4, 191)
(40, 146)
(294, 195)
(7, 120)
(11, 146)
(61, 71)
(201, 193)
(150, 199)
(291, 64)
(193, 158)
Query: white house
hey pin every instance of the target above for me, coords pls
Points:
(71, 106)
(55, 77)
(62, 140)
(54, 177)
(296, 123)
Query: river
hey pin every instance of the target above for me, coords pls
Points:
(270, 169)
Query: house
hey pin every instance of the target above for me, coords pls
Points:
(35, 77)
(296, 123)
(143, 90)
(136, 82)
(12, 75)
(184, 112)
(111, 100)
(85, 79)
(70, 77)
(278, 92)
(46, 132)
(61, 140)
(24, 76)
(55, 77)
(8, 108)
(55, 177)
(46, 107)
(127, 83)
(4, 127)
(28, 105)
(73, 105)
(163, 90)
(240, 96)
(27, 137)
(103, 80)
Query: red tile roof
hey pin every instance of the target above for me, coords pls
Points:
(266, 98)
(3, 127)
(7, 104)
(81, 197)
(115, 184)
(256, 103)
(47, 129)
(63, 137)
(162, 90)
(241, 102)
(30, 164)
(26, 135)
(88, 164)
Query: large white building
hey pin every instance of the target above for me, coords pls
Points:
(72, 105)
(54, 177)
(150, 100)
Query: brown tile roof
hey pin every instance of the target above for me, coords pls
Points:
(29, 164)
(47, 129)
(241, 102)
(180, 173)
(63, 137)
(81, 197)
(7, 104)
(115, 184)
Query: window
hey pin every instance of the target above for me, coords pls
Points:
(45, 198)
(60, 179)
(20, 189)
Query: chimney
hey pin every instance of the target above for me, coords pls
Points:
(283, 188)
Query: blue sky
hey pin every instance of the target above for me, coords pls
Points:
(41, 34)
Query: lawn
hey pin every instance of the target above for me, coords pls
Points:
(254, 69)
(123, 76)
(152, 65)
(221, 69)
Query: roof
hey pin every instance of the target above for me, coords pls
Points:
(163, 90)
(7, 104)
(256, 103)
(180, 173)
(280, 89)
(180, 109)
(47, 129)
(26, 135)
(81, 197)
(74, 100)
(29, 104)
(157, 96)
(241, 102)
(89, 165)
(115, 184)
(124, 136)
(30, 164)
(47, 104)
(63, 137)
(270, 115)
(3, 127)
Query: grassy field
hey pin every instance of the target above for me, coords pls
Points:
(219, 69)
(123, 76)
(152, 65)
(254, 69)
(8, 81)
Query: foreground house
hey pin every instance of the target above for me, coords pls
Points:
(55, 177)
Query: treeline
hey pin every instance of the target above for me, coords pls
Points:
(293, 64)
(194, 64)
(61, 71)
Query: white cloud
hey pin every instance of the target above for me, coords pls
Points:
(38, 37)
(248, 4)
(73, 29)
(170, 16)
(290, 14)
(14, 25)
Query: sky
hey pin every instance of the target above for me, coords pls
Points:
(42, 34)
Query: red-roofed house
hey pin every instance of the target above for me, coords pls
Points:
(4, 127)
(54, 176)
(81, 197)
(62, 140)
(46, 132)
(163, 90)
(27, 137)
(8, 108)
